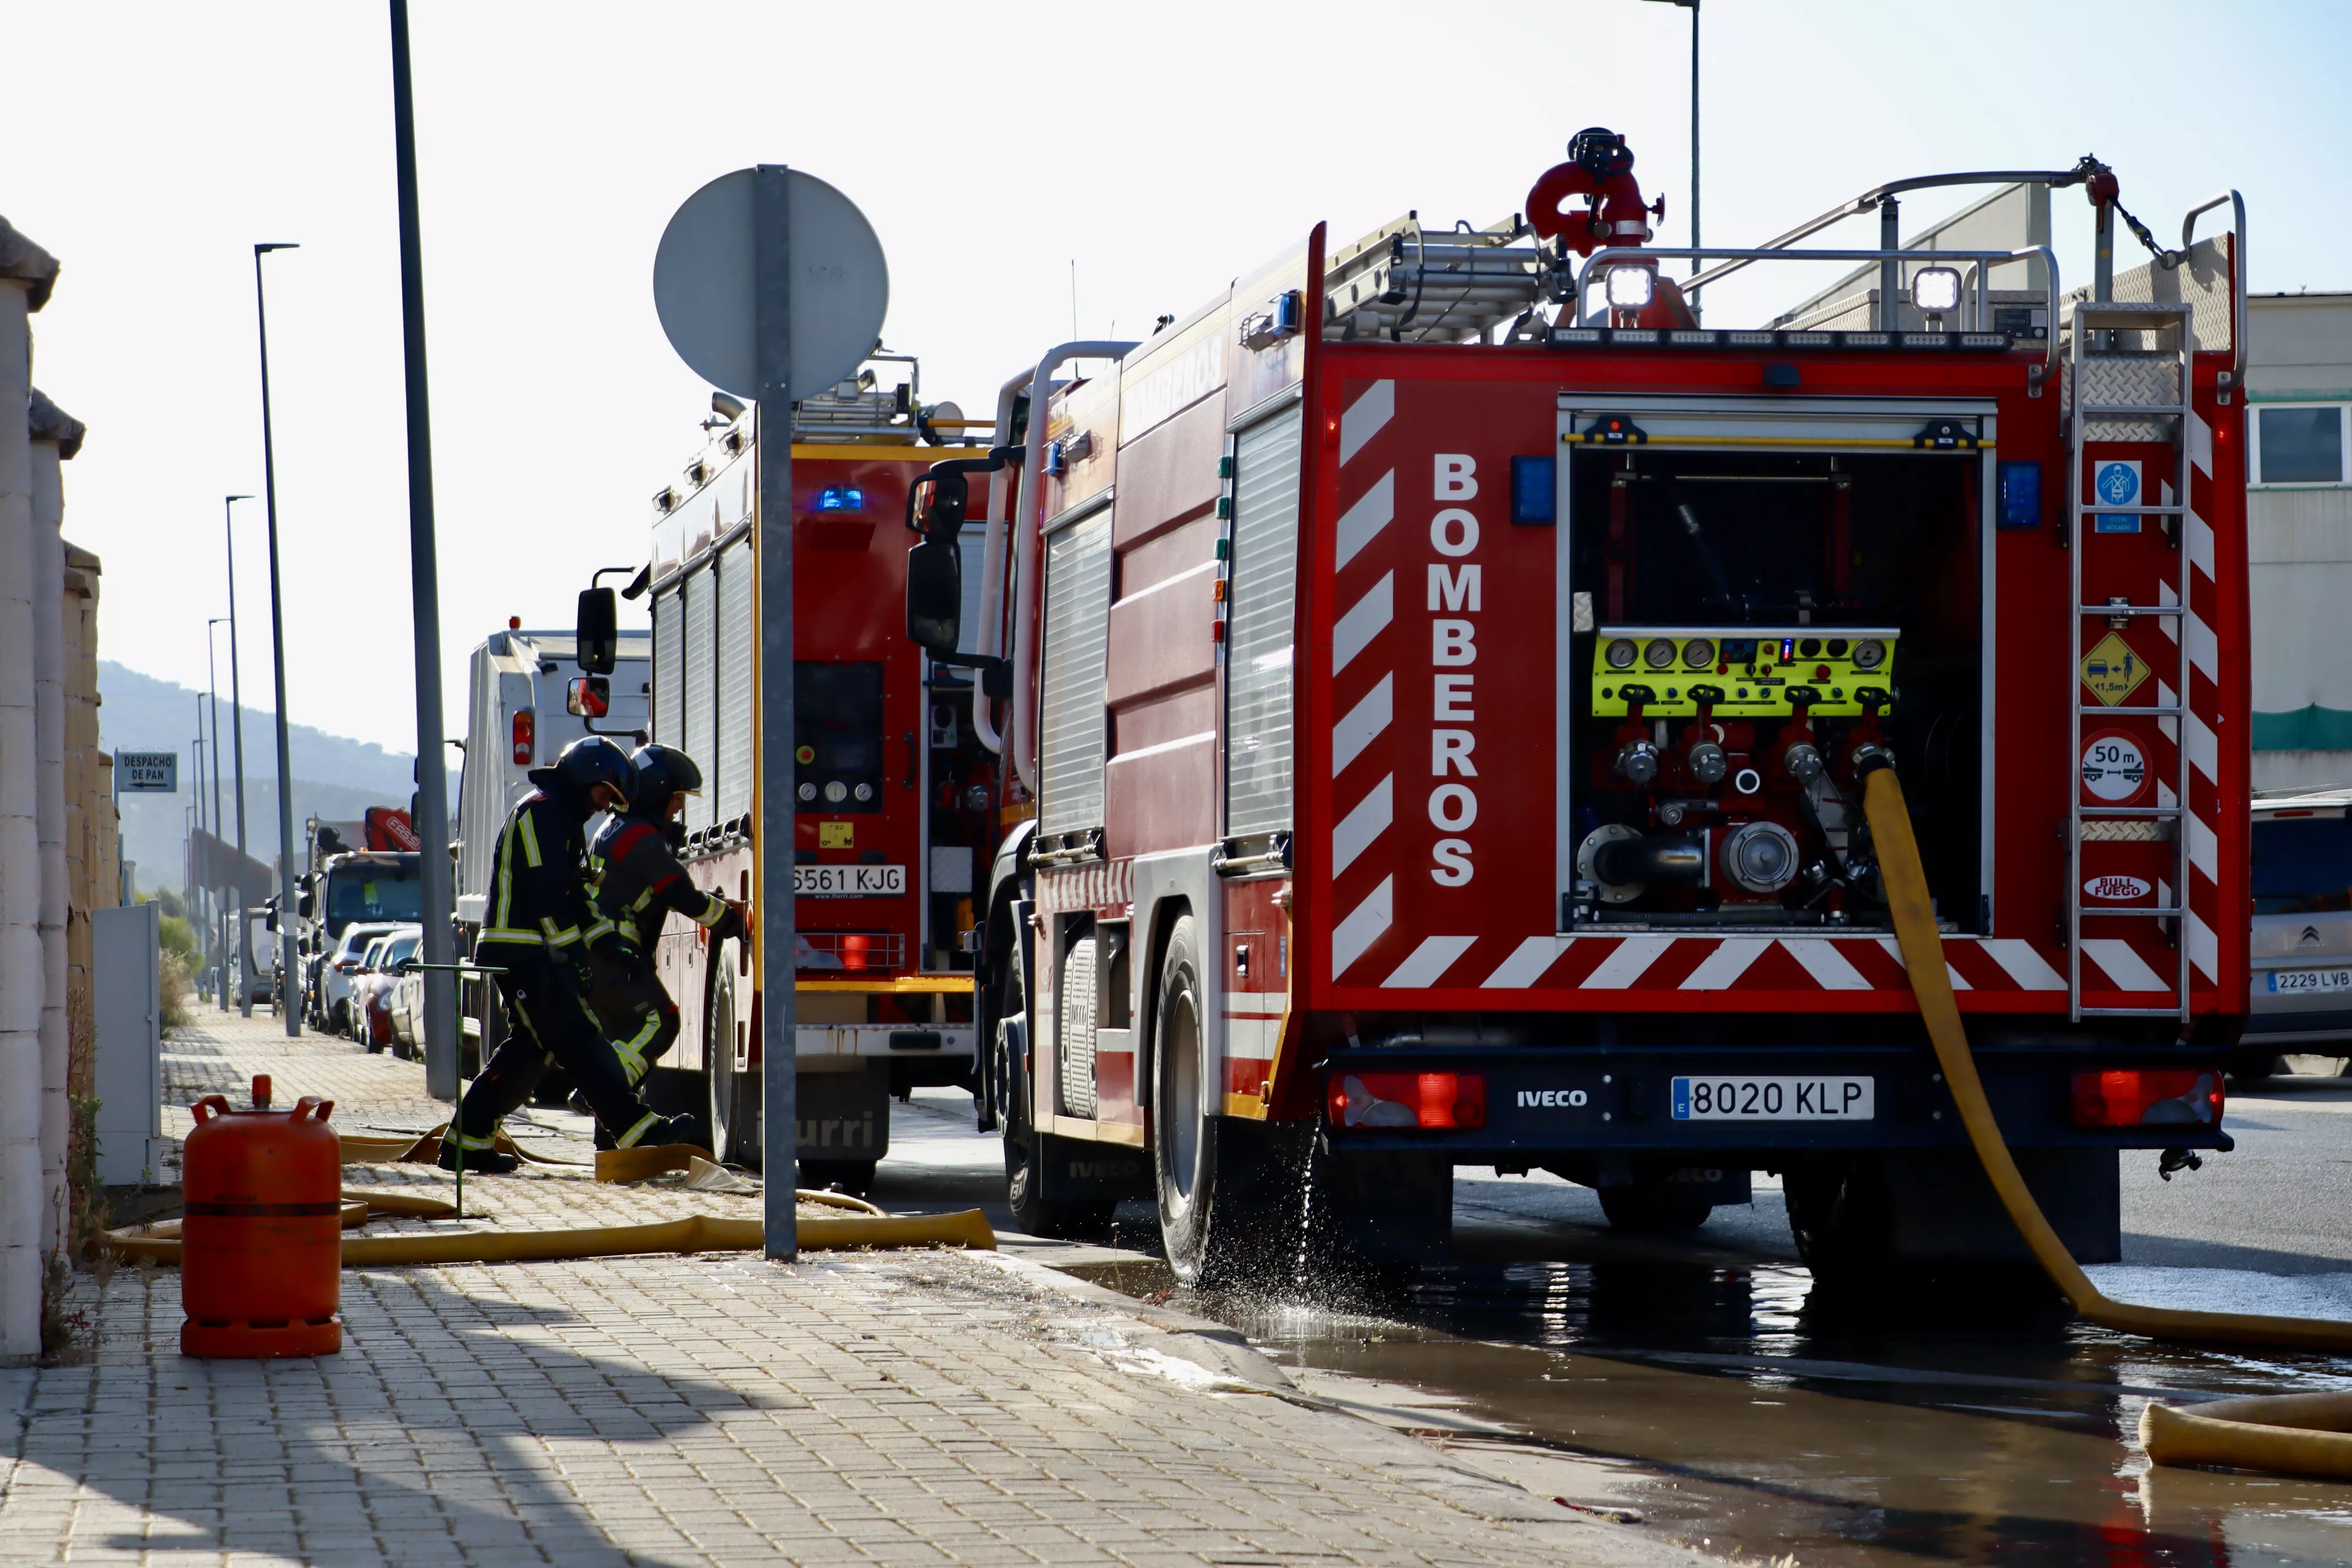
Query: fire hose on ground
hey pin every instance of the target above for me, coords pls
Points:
(864, 1225)
(2297, 1434)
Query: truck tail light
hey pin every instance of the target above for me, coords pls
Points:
(1407, 1099)
(2135, 1097)
(526, 729)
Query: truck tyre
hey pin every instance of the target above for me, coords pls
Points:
(1840, 1214)
(854, 1177)
(735, 1097)
(1653, 1208)
(1227, 1216)
(2251, 1065)
(1031, 1159)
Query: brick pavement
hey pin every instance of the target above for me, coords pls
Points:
(891, 1408)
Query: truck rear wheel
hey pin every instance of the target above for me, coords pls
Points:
(854, 1177)
(2254, 1064)
(735, 1097)
(1226, 1214)
(1839, 1216)
(1653, 1208)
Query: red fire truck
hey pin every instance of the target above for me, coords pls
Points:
(895, 795)
(1443, 669)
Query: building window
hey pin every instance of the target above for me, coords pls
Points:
(2299, 443)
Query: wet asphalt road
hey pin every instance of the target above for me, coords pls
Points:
(1704, 1382)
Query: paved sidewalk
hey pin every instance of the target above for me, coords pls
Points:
(910, 1407)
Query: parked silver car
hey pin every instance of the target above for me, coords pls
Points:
(335, 975)
(2302, 953)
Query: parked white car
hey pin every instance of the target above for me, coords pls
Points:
(371, 999)
(335, 979)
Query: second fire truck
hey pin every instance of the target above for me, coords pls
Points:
(894, 810)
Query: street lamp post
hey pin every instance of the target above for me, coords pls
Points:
(443, 1047)
(220, 902)
(289, 953)
(199, 905)
(237, 731)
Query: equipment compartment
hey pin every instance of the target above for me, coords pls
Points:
(1752, 628)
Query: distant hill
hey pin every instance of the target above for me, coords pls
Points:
(144, 714)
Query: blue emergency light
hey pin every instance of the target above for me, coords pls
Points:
(841, 498)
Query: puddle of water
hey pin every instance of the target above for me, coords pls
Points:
(1744, 1410)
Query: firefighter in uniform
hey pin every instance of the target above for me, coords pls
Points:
(538, 933)
(635, 882)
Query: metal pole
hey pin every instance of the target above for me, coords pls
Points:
(220, 904)
(779, 1032)
(1695, 241)
(289, 956)
(236, 730)
(441, 1043)
(1890, 272)
(199, 906)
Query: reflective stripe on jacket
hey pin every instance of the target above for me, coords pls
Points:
(537, 896)
(636, 880)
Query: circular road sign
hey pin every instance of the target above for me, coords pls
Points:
(704, 285)
(2114, 769)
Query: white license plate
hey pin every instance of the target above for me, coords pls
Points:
(848, 882)
(1756, 1099)
(2309, 981)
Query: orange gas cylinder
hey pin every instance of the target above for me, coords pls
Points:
(261, 1242)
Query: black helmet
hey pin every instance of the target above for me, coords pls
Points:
(588, 762)
(663, 772)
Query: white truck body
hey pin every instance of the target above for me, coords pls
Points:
(516, 673)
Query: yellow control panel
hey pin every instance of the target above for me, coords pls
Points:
(1744, 672)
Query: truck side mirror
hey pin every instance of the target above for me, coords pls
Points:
(935, 593)
(597, 632)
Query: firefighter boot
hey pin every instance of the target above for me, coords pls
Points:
(480, 1157)
(687, 1128)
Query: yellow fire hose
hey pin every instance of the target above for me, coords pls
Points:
(2296, 1433)
(865, 1227)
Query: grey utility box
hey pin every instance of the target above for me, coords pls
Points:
(126, 1004)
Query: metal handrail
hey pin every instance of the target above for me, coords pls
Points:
(1877, 195)
(2237, 269)
(1989, 258)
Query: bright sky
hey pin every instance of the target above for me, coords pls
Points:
(1161, 148)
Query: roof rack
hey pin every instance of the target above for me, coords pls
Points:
(1403, 284)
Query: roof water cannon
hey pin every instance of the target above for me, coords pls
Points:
(1599, 168)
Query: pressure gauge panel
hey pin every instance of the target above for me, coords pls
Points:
(1747, 671)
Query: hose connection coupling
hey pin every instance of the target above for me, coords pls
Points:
(1637, 762)
(1804, 763)
(1871, 756)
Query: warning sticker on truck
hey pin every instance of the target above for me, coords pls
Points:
(2112, 670)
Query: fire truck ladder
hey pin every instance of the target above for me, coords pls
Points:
(2130, 394)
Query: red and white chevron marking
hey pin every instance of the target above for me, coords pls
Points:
(1363, 681)
(1656, 962)
(2205, 902)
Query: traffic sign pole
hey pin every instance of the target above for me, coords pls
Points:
(740, 258)
(772, 237)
